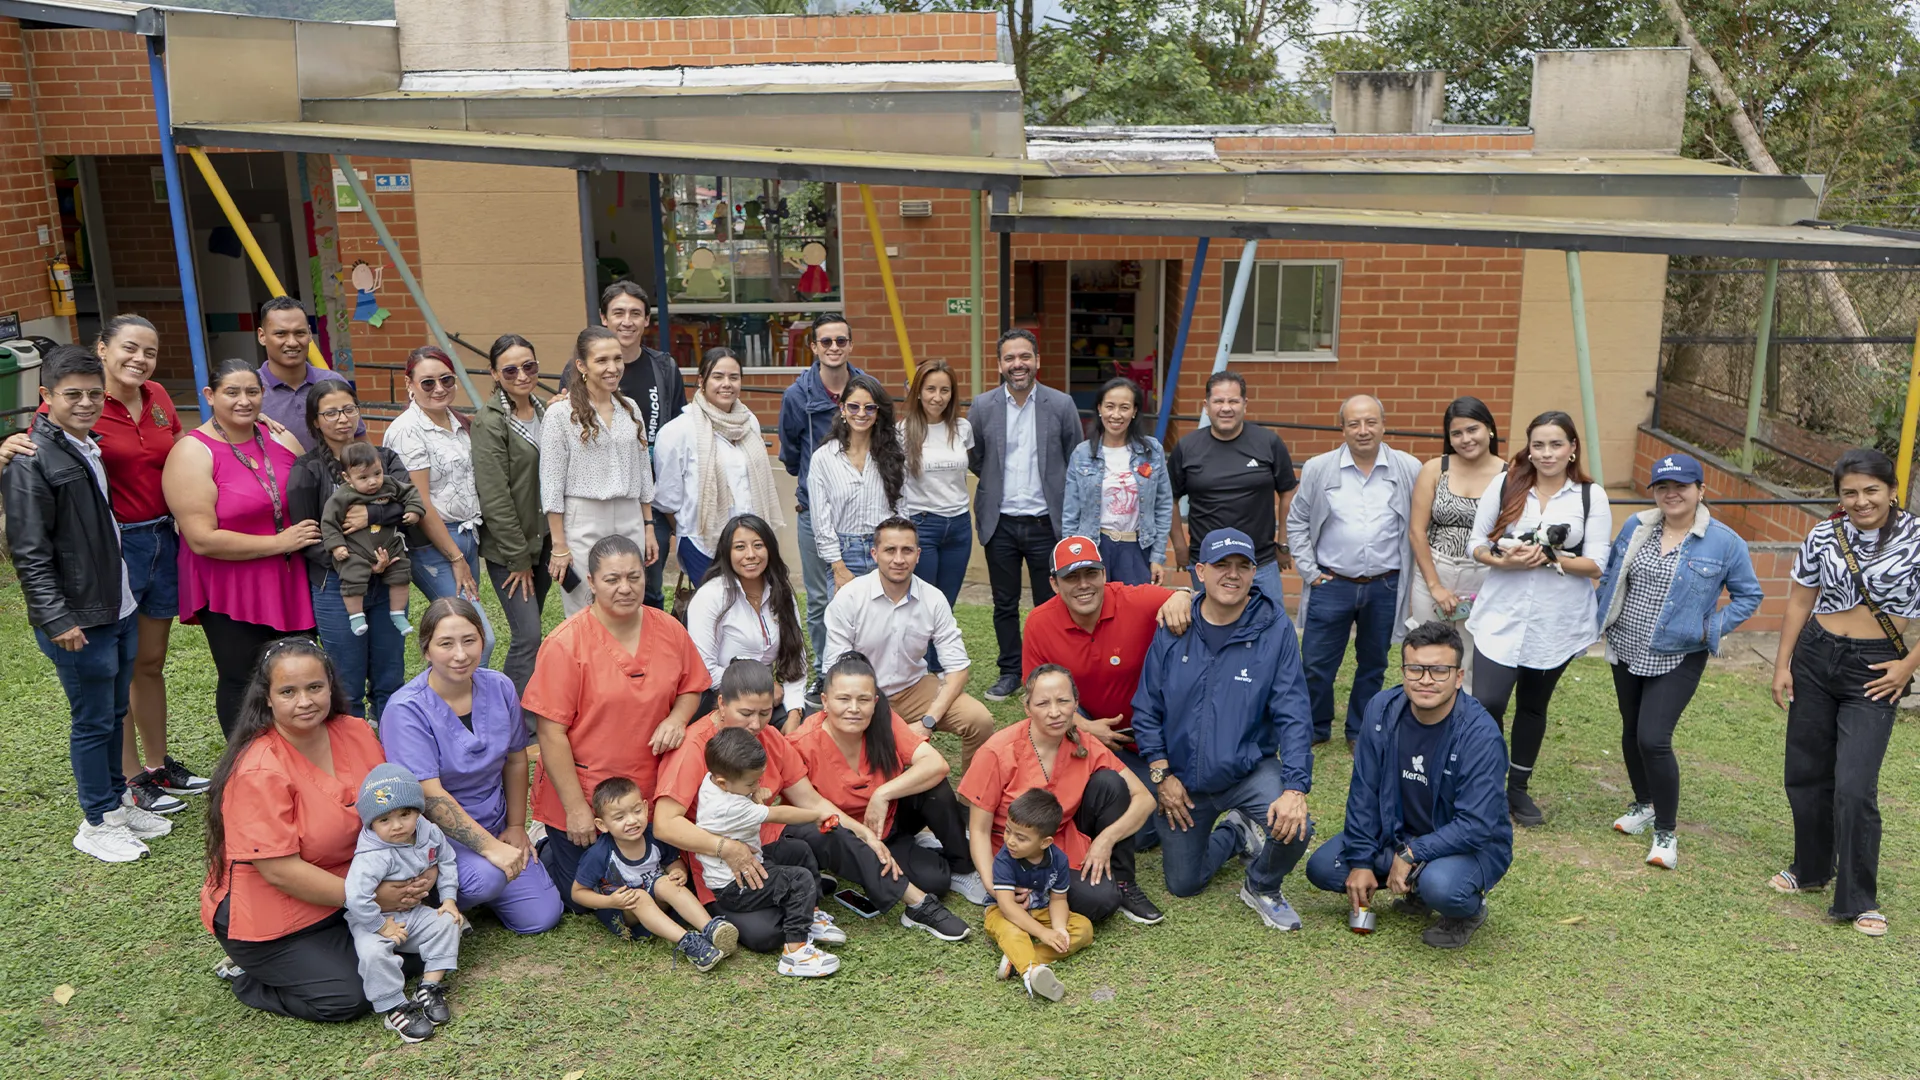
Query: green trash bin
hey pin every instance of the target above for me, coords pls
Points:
(19, 382)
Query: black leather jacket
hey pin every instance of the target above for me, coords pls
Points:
(64, 541)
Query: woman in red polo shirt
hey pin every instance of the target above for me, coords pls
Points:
(1102, 803)
(281, 829)
(135, 433)
(887, 777)
(612, 691)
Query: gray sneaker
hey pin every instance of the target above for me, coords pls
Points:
(972, 889)
(1253, 838)
(1452, 933)
(1273, 909)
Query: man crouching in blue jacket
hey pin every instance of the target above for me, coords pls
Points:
(1215, 706)
(1428, 807)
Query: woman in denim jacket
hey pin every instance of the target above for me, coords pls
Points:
(1118, 489)
(1659, 615)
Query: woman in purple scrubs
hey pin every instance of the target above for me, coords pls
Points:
(457, 727)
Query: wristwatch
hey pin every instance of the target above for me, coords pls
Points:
(1158, 775)
(929, 721)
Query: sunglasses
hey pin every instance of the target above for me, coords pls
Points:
(444, 382)
(834, 342)
(861, 410)
(513, 372)
(91, 397)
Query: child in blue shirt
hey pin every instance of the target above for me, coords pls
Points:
(1029, 919)
(625, 878)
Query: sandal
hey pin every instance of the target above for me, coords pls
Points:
(1871, 923)
(1786, 882)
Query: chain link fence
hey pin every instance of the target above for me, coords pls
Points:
(1822, 390)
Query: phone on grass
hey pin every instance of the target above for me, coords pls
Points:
(857, 903)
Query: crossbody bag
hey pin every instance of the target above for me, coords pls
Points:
(1860, 582)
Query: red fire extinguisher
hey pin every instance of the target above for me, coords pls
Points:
(60, 284)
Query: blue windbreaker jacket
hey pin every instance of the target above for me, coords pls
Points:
(1469, 799)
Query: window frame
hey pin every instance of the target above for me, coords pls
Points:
(1230, 269)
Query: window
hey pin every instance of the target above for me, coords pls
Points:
(1292, 310)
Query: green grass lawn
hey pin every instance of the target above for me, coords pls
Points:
(1592, 965)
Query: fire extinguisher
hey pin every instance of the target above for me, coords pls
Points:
(60, 284)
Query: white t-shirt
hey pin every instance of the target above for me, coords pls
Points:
(1119, 491)
(941, 487)
(735, 817)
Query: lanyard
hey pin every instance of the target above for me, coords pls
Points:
(269, 483)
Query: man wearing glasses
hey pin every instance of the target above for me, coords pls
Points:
(806, 412)
(287, 378)
(1427, 809)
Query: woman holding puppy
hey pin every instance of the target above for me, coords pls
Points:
(1541, 530)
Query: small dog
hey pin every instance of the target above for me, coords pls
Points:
(1550, 538)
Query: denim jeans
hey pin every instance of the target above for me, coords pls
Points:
(1451, 885)
(97, 679)
(817, 576)
(693, 562)
(152, 554)
(433, 574)
(523, 618)
(857, 552)
(946, 546)
(371, 667)
(1018, 539)
(1126, 561)
(1336, 609)
(1192, 856)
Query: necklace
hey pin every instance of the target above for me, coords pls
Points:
(1038, 759)
(269, 483)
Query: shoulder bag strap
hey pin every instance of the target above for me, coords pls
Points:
(1860, 582)
(1586, 511)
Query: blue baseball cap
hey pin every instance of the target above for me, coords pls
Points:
(1679, 468)
(1221, 543)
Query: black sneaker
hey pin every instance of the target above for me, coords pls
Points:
(432, 999)
(815, 690)
(1412, 905)
(1004, 687)
(1452, 933)
(177, 779)
(1524, 811)
(410, 1022)
(933, 917)
(1135, 905)
(145, 792)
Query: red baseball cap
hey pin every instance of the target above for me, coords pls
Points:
(1075, 553)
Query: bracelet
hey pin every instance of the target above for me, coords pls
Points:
(563, 553)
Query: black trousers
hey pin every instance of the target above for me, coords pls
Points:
(236, 648)
(790, 894)
(1493, 685)
(763, 930)
(311, 974)
(1018, 539)
(1105, 802)
(1836, 739)
(1650, 708)
(846, 856)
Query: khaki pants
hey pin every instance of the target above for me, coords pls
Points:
(1026, 952)
(1463, 577)
(967, 717)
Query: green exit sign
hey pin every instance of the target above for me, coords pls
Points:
(959, 305)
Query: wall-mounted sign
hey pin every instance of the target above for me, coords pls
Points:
(393, 181)
(959, 305)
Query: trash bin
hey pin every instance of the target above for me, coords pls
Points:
(19, 382)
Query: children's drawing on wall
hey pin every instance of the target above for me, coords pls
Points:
(705, 281)
(366, 281)
(813, 280)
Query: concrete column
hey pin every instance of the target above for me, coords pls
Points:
(458, 35)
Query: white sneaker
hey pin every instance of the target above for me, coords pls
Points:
(972, 889)
(823, 929)
(807, 962)
(1635, 821)
(925, 838)
(109, 841)
(1041, 980)
(144, 824)
(1665, 852)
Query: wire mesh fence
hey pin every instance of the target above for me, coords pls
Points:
(1825, 386)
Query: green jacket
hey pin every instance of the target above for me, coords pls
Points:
(506, 472)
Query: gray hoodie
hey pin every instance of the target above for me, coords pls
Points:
(375, 861)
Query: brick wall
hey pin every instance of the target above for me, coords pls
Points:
(1771, 564)
(26, 190)
(139, 238)
(405, 329)
(775, 39)
(95, 95)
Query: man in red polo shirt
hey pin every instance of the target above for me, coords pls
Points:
(1099, 630)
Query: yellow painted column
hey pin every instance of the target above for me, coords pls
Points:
(247, 241)
(886, 279)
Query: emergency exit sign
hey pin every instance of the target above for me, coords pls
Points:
(393, 181)
(959, 305)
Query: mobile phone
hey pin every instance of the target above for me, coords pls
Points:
(857, 903)
(1461, 610)
(570, 580)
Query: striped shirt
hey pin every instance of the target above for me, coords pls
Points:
(613, 466)
(842, 501)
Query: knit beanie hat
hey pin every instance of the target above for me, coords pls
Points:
(388, 787)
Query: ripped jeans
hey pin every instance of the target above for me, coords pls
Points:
(433, 576)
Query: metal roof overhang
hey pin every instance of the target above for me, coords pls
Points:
(953, 171)
(132, 18)
(1040, 214)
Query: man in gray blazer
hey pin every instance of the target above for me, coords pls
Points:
(1348, 530)
(1023, 434)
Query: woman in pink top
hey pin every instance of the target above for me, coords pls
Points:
(242, 579)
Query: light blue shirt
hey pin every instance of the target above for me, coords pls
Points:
(1020, 491)
(1363, 536)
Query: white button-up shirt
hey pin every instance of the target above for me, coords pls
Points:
(90, 453)
(843, 501)
(894, 636)
(1538, 618)
(1363, 537)
(1020, 491)
(447, 455)
(676, 487)
(725, 632)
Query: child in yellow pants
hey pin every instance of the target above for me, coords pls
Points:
(1029, 919)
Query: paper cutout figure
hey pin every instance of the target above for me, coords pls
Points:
(704, 280)
(754, 229)
(366, 281)
(814, 280)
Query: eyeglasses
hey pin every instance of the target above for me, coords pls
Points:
(1424, 672)
(339, 411)
(512, 372)
(834, 342)
(444, 382)
(861, 410)
(75, 397)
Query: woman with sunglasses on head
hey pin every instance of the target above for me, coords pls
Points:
(596, 477)
(434, 442)
(934, 494)
(1445, 498)
(1844, 662)
(1541, 528)
(1658, 615)
(856, 479)
(713, 465)
(1119, 490)
(506, 474)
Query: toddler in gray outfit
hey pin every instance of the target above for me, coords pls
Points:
(398, 844)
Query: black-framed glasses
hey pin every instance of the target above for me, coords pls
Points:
(339, 411)
(431, 383)
(1422, 672)
(834, 342)
(868, 409)
(512, 372)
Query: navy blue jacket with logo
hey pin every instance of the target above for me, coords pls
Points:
(1469, 795)
(1214, 716)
